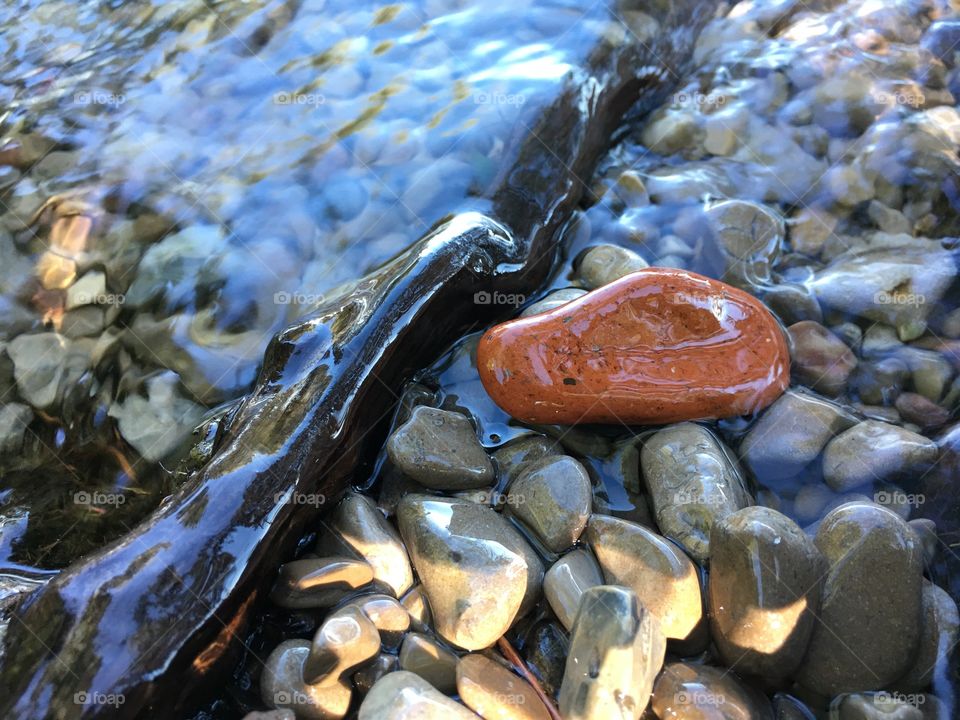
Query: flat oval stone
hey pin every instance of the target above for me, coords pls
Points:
(663, 578)
(495, 693)
(402, 695)
(362, 526)
(656, 346)
(764, 591)
(699, 692)
(552, 497)
(567, 580)
(437, 665)
(477, 571)
(870, 615)
(319, 582)
(282, 685)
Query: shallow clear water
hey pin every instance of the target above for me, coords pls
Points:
(212, 169)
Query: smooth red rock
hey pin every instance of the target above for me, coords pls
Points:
(656, 346)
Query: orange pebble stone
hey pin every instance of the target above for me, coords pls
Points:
(656, 346)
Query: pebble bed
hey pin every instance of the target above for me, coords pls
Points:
(775, 566)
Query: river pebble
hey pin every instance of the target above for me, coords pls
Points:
(588, 377)
(693, 482)
(663, 578)
(790, 435)
(552, 497)
(282, 685)
(404, 695)
(940, 627)
(319, 582)
(870, 609)
(478, 573)
(603, 264)
(439, 449)
(346, 639)
(874, 451)
(435, 664)
(364, 529)
(566, 581)
(764, 591)
(819, 358)
(684, 691)
(616, 650)
(495, 693)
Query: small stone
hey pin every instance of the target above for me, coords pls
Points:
(811, 501)
(495, 693)
(88, 290)
(670, 132)
(158, 424)
(848, 185)
(719, 138)
(873, 706)
(38, 366)
(870, 609)
(14, 420)
(664, 579)
(898, 286)
(346, 639)
(874, 451)
(616, 650)
(698, 349)
(802, 425)
(603, 264)
(887, 219)
(764, 591)
(693, 482)
(931, 372)
(478, 573)
(792, 303)
(416, 605)
(552, 497)
(879, 340)
(387, 614)
(926, 531)
(819, 358)
(554, 300)
(403, 695)
(439, 449)
(545, 652)
(366, 531)
(787, 707)
(684, 690)
(921, 411)
(743, 240)
(367, 677)
(566, 581)
(513, 457)
(631, 189)
(850, 334)
(438, 666)
(810, 229)
(939, 630)
(318, 582)
(282, 685)
(879, 382)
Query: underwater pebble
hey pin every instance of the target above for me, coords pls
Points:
(282, 685)
(319, 582)
(874, 451)
(566, 581)
(438, 666)
(495, 693)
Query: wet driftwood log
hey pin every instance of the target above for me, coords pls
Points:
(153, 615)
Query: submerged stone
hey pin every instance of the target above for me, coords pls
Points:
(656, 346)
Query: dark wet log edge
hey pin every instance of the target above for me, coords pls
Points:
(156, 614)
